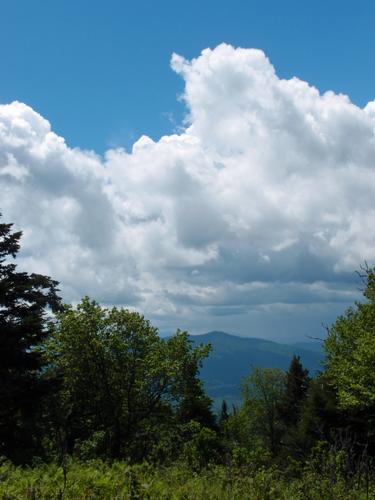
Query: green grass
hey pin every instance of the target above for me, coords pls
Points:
(97, 480)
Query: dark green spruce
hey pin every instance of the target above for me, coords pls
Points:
(24, 302)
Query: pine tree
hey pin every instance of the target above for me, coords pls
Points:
(23, 301)
(291, 407)
(321, 419)
(224, 415)
(296, 385)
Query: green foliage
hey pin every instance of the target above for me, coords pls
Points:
(350, 351)
(201, 445)
(224, 414)
(97, 480)
(320, 416)
(291, 407)
(122, 385)
(189, 398)
(296, 385)
(24, 300)
(244, 444)
(263, 391)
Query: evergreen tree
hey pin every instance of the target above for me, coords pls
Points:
(296, 385)
(224, 415)
(291, 406)
(23, 301)
(320, 419)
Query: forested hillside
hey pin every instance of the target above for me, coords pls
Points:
(95, 404)
(232, 358)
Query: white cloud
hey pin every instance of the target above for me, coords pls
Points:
(266, 197)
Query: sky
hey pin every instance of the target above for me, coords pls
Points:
(211, 164)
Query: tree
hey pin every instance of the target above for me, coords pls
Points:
(296, 385)
(350, 361)
(350, 351)
(24, 301)
(262, 392)
(320, 419)
(122, 384)
(292, 404)
(193, 404)
(224, 414)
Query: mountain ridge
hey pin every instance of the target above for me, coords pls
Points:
(233, 357)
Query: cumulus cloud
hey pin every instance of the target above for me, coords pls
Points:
(265, 201)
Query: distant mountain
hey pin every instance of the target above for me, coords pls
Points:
(316, 346)
(234, 357)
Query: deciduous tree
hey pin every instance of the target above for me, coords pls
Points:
(350, 351)
(122, 383)
(262, 392)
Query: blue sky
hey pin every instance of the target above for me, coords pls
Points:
(154, 159)
(99, 71)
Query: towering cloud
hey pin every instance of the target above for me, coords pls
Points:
(265, 202)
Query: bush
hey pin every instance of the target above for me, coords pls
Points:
(99, 480)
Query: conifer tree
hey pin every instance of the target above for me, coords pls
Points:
(23, 301)
(296, 385)
(224, 415)
(292, 405)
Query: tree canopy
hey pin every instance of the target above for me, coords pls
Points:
(122, 382)
(350, 351)
(263, 391)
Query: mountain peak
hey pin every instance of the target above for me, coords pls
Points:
(233, 357)
(216, 334)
